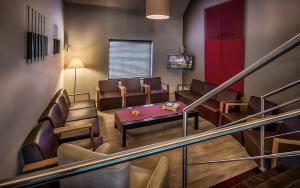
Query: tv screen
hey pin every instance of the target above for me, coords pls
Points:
(180, 62)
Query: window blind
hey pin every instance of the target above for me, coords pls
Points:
(130, 59)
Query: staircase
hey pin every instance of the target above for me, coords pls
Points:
(275, 177)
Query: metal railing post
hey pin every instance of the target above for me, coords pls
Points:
(184, 153)
(262, 135)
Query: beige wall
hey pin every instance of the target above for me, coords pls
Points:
(90, 27)
(268, 23)
(26, 89)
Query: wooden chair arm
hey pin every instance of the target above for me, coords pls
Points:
(40, 164)
(275, 147)
(70, 128)
(83, 93)
(222, 104)
(182, 86)
(123, 92)
(168, 86)
(228, 105)
(148, 92)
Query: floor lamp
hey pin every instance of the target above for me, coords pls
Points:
(75, 63)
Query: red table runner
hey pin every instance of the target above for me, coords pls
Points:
(150, 111)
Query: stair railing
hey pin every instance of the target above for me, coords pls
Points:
(72, 169)
(284, 48)
(262, 108)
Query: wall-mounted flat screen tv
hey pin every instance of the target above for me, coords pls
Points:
(180, 62)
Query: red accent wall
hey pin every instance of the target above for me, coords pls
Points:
(224, 42)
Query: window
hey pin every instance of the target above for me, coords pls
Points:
(130, 59)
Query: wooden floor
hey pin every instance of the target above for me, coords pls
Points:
(198, 175)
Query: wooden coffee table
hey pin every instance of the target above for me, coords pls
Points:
(150, 115)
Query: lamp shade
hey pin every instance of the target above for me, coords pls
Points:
(75, 63)
(158, 9)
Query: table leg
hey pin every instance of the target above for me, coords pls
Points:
(123, 137)
(196, 122)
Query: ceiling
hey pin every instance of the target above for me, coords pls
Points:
(122, 4)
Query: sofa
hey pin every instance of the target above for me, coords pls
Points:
(211, 109)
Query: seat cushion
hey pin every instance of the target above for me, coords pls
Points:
(211, 105)
(154, 83)
(79, 114)
(110, 95)
(82, 133)
(82, 104)
(158, 96)
(232, 116)
(135, 99)
(88, 143)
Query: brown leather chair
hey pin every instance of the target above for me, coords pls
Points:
(288, 142)
(108, 95)
(40, 147)
(155, 91)
(252, 107)
(133, 93)
(85, 126)
(90, 103)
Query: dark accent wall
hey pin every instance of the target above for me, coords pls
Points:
(267, 24)
(25, 89)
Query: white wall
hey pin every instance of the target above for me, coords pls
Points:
(26, 89)
(90, 27)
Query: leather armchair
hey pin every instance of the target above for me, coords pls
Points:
(108, 95)
(122, 175)
(90, 103)
(155, 91)
(54, 115)
(40, 147)
(133, 94)
(252, 107)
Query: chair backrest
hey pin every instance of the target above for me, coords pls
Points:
(66, 96)
(228, 95)
(108, 86)
(132, 85)
(207, 87)
(154, 83)
(54, 115)
(62, 105)
(117, 176)
(196, 86)
(40, 144)
(254, 106)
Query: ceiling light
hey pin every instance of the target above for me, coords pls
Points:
(158, 9)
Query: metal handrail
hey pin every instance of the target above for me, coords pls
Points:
(270, 156)
(283, 88)
(283, 134)
(120, 157)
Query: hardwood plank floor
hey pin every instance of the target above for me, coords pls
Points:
(205, 175)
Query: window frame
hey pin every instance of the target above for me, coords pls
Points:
(129, 40)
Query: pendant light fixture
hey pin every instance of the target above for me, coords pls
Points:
(158, 9)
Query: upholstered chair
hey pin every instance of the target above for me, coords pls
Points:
(133, 92)
(40, 147)
(118, 176)
(155, 91)
(108, 95)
